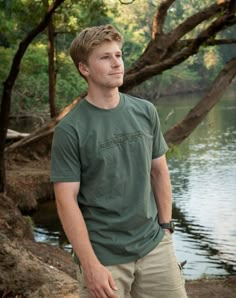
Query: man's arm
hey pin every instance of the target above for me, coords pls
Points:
(99, 279)
(161, 186)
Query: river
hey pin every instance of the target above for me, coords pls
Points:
(203, 175)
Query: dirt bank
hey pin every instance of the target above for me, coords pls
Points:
(209, 288)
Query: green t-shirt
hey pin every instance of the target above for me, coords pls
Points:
(110, 153)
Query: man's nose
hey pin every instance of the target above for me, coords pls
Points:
(116, 61)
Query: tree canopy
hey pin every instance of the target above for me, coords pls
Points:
(136, 23)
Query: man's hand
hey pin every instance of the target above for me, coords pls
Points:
(100, 282)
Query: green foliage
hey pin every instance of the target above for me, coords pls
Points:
(6, 55)
(31, 88)
(183, 9)
(18, 17)
(68, 82)
(134, 21)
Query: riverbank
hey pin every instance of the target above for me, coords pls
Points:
(212, 287)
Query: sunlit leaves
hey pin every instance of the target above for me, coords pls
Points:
(211, 58)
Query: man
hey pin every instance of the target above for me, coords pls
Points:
(110, 178)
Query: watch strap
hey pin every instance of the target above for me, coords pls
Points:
(169, 226)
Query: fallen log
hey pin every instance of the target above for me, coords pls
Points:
(15, 135)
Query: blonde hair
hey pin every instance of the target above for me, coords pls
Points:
(90, 38)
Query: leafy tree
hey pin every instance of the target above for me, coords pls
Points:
(10, 81)
(22, 11)
(69, 19)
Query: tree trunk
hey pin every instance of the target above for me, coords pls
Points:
(4, 120)
(179, 132)
(51, 69)
(10, 81)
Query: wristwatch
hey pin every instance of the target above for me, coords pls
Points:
(169, 226)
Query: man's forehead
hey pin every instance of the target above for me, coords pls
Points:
(107, 47)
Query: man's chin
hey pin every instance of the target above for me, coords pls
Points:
(120, 83)
(115, 84)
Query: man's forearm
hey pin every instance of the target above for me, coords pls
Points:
(161, 186)
(76, 231)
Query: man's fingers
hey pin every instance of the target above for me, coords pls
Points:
(110, 287)
(99, 294)
(101, 283)
(112, 283)
(93, 294)
(104, 293)
(109, 293)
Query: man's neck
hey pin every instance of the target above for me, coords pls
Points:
(107, 99)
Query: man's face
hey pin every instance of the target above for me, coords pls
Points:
(105, 67)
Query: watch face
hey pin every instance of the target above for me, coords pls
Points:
(169, 226)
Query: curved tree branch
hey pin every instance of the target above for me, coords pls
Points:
(190, 23)
(165, 43)
(160, 17)
(210, 42)
(183, 129)
(148, 71)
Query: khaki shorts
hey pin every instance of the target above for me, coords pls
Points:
(156, 275)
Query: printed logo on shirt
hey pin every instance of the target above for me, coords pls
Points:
(120, 139)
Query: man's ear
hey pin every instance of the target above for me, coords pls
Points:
(83, 69)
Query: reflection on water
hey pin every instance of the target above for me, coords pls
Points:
(203, 174)
(47, 227)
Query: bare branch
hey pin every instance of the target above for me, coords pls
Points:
(219, 24)
(135, 78)
(184, 128)
(160, 16)
(190, 23)
(210, 42)
(164, 45)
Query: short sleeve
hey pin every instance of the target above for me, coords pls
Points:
(159, 144)
(65, 157)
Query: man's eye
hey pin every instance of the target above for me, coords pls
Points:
(104, 57)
